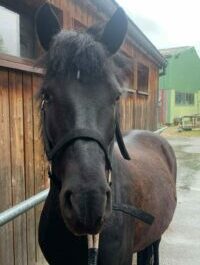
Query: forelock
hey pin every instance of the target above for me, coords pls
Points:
(73, 51)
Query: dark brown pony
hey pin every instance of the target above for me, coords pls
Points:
(84, 76)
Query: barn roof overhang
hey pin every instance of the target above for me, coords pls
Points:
(106, 9)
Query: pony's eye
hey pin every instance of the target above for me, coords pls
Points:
(117, 98)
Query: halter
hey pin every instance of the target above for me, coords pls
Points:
(93, 135)
(84, 133)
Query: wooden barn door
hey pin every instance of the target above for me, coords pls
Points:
(127, 119)
(141, 112)
(22, 165)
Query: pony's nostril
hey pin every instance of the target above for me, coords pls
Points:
(68, 201)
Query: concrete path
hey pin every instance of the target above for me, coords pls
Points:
(181, 242)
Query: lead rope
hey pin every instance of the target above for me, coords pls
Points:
(93, 247)
(93, 240)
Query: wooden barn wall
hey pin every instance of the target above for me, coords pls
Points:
(23, 169)
(139, 111)
(22, 165)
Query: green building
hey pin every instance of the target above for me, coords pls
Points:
(180, 84)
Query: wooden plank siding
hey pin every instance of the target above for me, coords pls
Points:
(17, 162)
(6, 232)
(23, 167)
(41, 179)
(29, 163)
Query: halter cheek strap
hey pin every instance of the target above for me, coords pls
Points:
(77, 134)
(83, 133)
(120, 142)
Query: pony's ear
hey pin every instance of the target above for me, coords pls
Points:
(47, 25)
(115, 31)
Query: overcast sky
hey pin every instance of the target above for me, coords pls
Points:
(168, 23)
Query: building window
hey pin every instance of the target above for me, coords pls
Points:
(9, 32)
(17, 32)
(142, 78)
(182, 98)
(129, 82)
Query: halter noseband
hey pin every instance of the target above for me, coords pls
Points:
(77, 134)
(83, 133)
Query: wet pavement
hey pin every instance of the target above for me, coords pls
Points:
(180, 244)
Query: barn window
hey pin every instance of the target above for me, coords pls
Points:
(182, 98)
(142, 78)
(129, 82)
(9, 32)
(17, 32)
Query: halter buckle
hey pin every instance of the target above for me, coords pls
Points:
(109, 177)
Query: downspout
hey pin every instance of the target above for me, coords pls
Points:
(163, 69)
(162, 72)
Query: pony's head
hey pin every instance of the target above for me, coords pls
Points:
(79, 96)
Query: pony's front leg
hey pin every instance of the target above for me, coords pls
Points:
(149, 255)
(58, 244)
(113, 254)
(116, 242)
(156, 251)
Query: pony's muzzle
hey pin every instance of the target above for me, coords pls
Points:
(84, 212)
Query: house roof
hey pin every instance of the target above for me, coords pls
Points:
(174, 51)
(182, 71)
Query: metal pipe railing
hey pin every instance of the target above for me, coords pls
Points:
(159, 131)
(9, 214)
